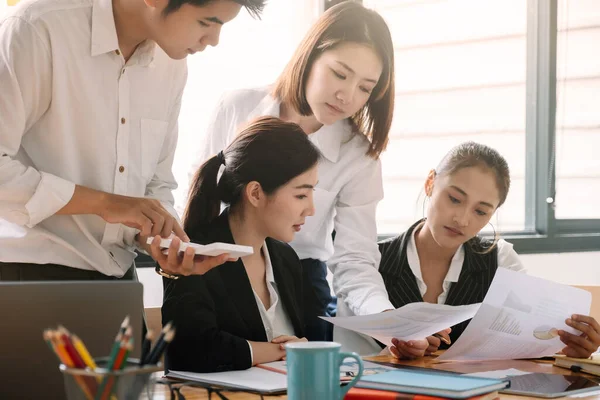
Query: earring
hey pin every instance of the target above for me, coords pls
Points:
(424, 201)
(493, 229)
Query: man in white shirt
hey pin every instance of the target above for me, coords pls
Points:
(91, 92)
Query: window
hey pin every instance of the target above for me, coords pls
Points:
(577, 110)
(460, 76)
(520, 76)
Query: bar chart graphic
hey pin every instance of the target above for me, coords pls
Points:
(506, 323)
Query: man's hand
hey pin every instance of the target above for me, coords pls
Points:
(147, 215)
(186, 263)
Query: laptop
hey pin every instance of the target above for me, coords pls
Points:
(92, 310)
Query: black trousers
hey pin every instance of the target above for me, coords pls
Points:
(54, 272)
(321, 302)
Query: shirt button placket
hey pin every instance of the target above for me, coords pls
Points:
(123, 133)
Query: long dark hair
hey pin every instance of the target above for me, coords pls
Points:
(347, 22)
(268, 150)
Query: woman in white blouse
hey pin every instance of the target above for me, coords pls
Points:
(339, 87)
(441, 259)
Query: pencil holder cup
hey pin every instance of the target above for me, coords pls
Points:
(101, 384)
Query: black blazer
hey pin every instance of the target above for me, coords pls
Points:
(476, 276)
(216, 313)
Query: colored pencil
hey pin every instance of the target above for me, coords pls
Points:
(160, 339)
(146, 346)
(160, 347)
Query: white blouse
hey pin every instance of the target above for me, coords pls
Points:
(507, 258)
(275, 319)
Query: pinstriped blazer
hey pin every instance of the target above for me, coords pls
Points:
(473, 283)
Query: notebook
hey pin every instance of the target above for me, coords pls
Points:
(588, 365)
(432, 384)
(254, 379)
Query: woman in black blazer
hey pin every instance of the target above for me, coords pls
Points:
(243, 312)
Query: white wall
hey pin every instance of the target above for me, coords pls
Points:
(567, 268)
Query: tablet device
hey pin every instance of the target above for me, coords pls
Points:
(211, 249)
(550, 385)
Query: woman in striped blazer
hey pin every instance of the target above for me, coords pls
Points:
(441, 259)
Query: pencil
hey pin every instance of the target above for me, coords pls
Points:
(83, 352)
(146, 346)
(66, 360)
(272, 369)
(160, 339)
(75, 357)
(48, 339)
(124, 325)
(120, 362)
(442, 338)
(160, 347)
(114, 352)
(91, 383)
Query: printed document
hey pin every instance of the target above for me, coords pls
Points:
(414, 321)
(519, 318)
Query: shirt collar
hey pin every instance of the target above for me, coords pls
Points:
(456, 264)
(104, 34)
(328, 139)
(270, 277)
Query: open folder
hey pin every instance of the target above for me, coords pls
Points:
(255, 379)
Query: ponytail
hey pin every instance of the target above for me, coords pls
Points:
(268, 151)
(204, 202)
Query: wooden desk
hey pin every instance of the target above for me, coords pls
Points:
(162, 393)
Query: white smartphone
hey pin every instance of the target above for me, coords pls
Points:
(211, 249)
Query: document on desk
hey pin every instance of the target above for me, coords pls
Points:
(519, 318)
(252, 379)
(412, 322)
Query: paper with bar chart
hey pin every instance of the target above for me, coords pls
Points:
(519, 318)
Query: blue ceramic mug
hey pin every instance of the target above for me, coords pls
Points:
(313, 371)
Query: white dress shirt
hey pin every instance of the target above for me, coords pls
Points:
(73, 112)
(275, 319)
(507, 258)
(364, 345)
(346, 197)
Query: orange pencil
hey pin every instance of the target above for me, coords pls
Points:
(272, 369)
(66, 360)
